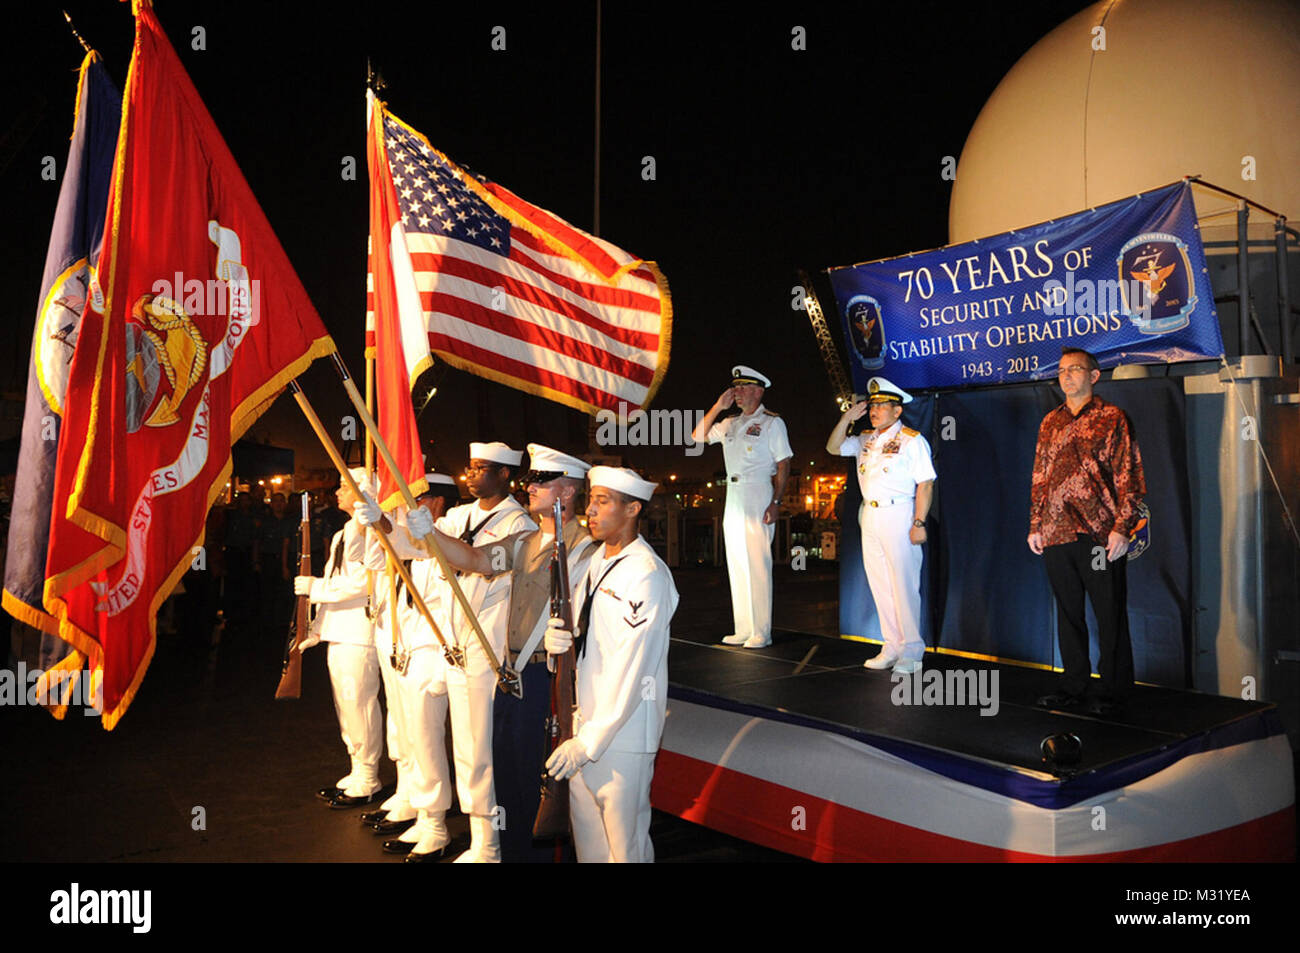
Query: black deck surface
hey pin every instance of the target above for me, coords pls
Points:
(822, 678)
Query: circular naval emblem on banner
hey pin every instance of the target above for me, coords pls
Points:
(866, 331)
(1140, 539)
(1156, 281)
(59, 325)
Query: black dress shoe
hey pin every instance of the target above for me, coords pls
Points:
(391, 828)
(344, 801)
(431, 857)
(329, 794)
(1059, 700)
(398, 846)
(373, 817)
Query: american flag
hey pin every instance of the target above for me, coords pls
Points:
(514, 293)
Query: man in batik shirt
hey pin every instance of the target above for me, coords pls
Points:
(1084, 498)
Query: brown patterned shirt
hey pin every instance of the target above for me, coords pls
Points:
(1087, 475)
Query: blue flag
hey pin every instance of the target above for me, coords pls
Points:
(1126, 281)
(73, 250)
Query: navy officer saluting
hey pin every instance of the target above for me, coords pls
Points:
(897, 477)
(757, 452)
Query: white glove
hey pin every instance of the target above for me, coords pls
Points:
(302, 585)
(567, 759)
(558, 639)
(419, 522)
(367, 511)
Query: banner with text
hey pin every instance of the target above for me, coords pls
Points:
(1126, 281)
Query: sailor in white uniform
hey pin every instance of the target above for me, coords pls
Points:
(628, 601)
(420, 682)
(342, 620)
(470, 689)
(519, 741)
(757, 453)
(896, 475)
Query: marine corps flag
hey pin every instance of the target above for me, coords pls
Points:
(512, 292)
(195, 322)
(74, 244)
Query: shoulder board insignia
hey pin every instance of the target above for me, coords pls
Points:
(770, 413)
(911, 433)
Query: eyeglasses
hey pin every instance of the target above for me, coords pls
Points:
(1073, 369)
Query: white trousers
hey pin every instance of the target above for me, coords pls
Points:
(354, 676)
(893, 565)
(749, 556)
(609, 807)
(470, 692)
(422, 694)
(398, 746)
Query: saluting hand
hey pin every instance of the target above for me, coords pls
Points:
(857, 410)
(727, 399)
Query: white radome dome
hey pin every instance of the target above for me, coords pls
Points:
(1183, 87)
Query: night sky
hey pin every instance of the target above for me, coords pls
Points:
(767, 159)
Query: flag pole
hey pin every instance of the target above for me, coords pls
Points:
(454, 656)
(369, 460)
(507, 678)
(595, 225)
(84, 45)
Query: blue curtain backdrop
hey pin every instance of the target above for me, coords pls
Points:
(982, 589)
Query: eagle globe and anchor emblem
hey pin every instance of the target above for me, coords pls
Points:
(1155, 264)
(162, 341)
(866, 327)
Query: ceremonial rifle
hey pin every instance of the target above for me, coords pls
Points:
(553, 812)
(291, 670)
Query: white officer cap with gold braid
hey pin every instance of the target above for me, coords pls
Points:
(740, 374)
(624, 480)
(496, 452)
(545, 464)
(880, 391)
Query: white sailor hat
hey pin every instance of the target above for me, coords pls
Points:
(362, 479)
(545, 464)
(880, 391)
(496, 452)
(740, 374)
(624, 480)
(438, 478)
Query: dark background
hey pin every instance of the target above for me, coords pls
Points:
(767, 159)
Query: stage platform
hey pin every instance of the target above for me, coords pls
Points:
(799, 748)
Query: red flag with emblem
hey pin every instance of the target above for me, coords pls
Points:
(197, 321)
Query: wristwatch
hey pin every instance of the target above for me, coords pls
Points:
(919, 524)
